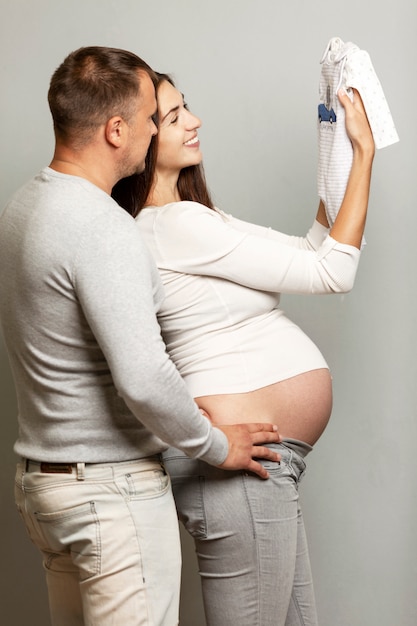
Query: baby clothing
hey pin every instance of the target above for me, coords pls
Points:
(345, 66)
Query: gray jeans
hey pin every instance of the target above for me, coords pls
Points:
(249, 537)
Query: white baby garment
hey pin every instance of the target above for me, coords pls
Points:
(345, 66)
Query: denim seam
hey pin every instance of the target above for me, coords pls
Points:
(256, 543)
(202, 485)
(138, 546)
(297, 608)
(98, 536)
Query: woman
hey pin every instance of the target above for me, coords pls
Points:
(241, 357)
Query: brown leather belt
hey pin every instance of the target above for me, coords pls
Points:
(50, 468)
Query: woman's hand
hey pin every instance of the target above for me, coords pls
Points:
(349, 224)
(357, 125)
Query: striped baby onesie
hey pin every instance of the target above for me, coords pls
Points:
(345, 66)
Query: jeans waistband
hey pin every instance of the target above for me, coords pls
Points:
(81, 469)
(300, 447)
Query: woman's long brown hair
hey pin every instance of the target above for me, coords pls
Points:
(132, 192)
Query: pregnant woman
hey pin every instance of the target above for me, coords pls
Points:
(244, 360)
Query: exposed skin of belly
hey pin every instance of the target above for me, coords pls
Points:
(300, 406)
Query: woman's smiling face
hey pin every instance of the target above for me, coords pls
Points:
(178, 143)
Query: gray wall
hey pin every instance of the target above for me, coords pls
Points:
(250, 69)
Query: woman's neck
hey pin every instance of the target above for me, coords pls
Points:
(163, 191)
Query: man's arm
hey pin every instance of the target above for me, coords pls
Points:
(117, 282)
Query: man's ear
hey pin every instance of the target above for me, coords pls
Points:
(115, 131)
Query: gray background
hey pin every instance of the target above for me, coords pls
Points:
(250, 70)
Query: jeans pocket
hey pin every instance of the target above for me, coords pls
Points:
(188, 484)
(294, 463)
(29, 525)
(74, 531)
(146, 484)
(189, 499)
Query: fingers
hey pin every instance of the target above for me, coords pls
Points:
(257, 468)
(343, 98)
(262, 452)
(346, 101)
(263, 432)
(262, 427)
(262, 436)
(244, 448)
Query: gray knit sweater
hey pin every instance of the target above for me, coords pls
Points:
(78, 302)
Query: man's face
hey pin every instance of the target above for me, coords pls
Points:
(141, 127)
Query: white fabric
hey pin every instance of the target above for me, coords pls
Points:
(220, 317)
(344, 65)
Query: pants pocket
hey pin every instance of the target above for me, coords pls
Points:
(146, 484)
(74, 532)
(188, 488)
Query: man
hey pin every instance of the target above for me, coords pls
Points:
(97, 393)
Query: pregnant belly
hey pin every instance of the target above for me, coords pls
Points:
(300, 406)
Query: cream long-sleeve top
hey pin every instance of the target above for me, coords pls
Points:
(221, 319)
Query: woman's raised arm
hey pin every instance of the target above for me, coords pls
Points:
(349, 224)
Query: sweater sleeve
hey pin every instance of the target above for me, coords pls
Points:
(117, 284)
(190, 238)
(312, 241)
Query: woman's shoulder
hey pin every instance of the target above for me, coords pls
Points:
(187, 228)
(183, 210)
